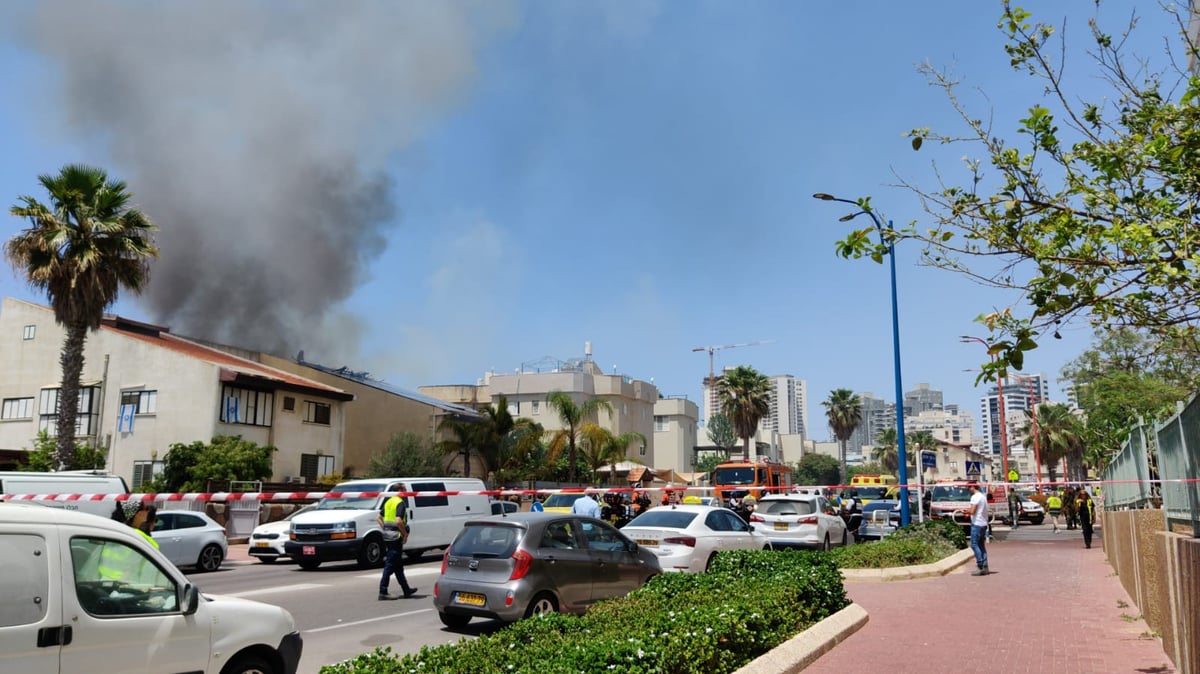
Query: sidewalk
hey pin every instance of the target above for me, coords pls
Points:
(1050, 606)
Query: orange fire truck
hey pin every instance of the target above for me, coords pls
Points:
(737, 479)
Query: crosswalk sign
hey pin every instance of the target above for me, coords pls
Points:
(974, 469)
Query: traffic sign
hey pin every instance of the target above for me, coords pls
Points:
(974, 469)
(1013, 475)
(928, 460)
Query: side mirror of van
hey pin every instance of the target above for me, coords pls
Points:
(191, 599)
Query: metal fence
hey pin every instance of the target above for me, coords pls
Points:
(1179, 465)
(1127, 479)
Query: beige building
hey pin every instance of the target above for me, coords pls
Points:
(675, 424)
(144, 389)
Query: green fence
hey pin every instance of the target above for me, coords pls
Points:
(1179, 465)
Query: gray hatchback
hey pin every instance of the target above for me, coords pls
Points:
(510, 567)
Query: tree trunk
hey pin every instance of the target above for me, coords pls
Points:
(746, 449)
(68, 395)
(841, 462)
(571, 459)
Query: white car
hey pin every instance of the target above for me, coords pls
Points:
(190, 539)
(687, 537)
(799, 520)
(266, 541)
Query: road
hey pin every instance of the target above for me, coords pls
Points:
(336, 608)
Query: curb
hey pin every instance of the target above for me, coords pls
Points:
(938, 568)
(803, 649)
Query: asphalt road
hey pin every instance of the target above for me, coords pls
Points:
(336, 608)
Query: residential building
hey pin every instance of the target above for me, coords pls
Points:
(947, 425)
(144, 389)
(788, 414)
(921, 399)
(1020, 394)
(877, 414)
(675, 426)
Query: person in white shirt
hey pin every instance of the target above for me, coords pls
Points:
(587, 506)
(978, 512)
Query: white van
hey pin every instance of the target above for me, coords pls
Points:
(85, 594)
(345, 527)
(67, 482)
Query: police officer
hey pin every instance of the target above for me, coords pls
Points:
(394, 525)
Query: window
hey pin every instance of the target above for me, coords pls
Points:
(25, 596)
(100, 565)
(427, 501)
(243, 406)
(660, 423)
(643, 451)
(289, 404)
(144, 472)
(29, 332)
(537, 406)
(17, 408)
(315, 466)
(514, 408)
(145, 402)
(316, 413)
(87, 415)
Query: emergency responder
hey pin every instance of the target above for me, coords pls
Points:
(393, 522)
(1054, 508)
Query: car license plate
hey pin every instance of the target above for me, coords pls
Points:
(469, 598)
(781, 526)
(309, 550)
(648, 542)
(262, 544)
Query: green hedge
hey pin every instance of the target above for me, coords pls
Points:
(922, 543)
(747, 604)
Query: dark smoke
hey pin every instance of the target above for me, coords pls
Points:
(256, 135)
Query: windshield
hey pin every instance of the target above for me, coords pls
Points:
(951, 494)
(787, 507)
(561, 500)
(669, 519)
(353, 502)
(869, 492)
(743, 475)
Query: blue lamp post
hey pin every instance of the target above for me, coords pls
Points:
(904, 509)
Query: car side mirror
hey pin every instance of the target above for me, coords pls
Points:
(191, 599)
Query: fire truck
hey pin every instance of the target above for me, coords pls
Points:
(737, 479)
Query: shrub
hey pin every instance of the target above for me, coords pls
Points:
(748, 603)
(921, 543)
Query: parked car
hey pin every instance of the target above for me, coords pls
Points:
(560, 503)
(879, 519)
(1032, 511)
(190, 539)
(504, 507)
(532, 563)
(267, 540)
(688, 537)
(799, 520)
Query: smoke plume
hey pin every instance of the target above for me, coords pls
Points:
(257, 135)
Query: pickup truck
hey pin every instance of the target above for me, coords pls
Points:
(947, 501)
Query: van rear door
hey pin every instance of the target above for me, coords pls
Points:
(31, 625)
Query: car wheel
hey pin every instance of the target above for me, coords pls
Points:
(309, 564)
(454, 621)
(1039, 520)
(826, 546)
(541, 605)
(249, 664)
(210, 558)
(845, 537)
(709, 562)
(768, 546)
(371, 554)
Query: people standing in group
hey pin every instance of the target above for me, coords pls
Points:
(1086, 512)
(393, 523)
(1054, 508)
(978, 514)
(587, 506)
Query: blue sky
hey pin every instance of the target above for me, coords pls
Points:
(432, 191)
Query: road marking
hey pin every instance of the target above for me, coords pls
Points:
(273, 590)
(408, 573)
(368, 620)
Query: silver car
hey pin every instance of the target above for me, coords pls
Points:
(190, 539)
(526, 564)
(267, 540)
(799, 520)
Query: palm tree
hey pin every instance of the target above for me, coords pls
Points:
(523, 450)
(919, 440)
(497, 422)
(618, 450)
(572, 416)
(745, 398)
(844, 410)
(887, 451)
(1059, 434)
(595, 441)
(82, 249)
(462, 441)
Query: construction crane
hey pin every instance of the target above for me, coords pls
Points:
(712, 375)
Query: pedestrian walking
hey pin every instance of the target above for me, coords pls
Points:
(1068, 507)
(1086, 512)
(1054, 508)
(1014, 507)
(978, 514)
(393, 523)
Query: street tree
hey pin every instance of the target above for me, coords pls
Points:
(409, 455)
(188, 467)
(720, 431)
(82, 248)
(1086, 207)
(744, 395)
(816, 469)
(843, 408)
(572, 415)
(887, 451)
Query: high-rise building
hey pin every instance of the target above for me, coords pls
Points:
(789, 408)
(877, 414)
(922, 399)
(1021, 392)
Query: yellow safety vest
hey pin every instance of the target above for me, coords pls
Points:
(1054, 502)
(393, 519)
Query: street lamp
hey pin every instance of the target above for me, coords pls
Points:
(1002, 403)
(903, 456)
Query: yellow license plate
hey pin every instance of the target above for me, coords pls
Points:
(262, 544)
(647, 542)
(469, 598)
(781, 526)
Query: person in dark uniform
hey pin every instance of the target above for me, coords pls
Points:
(1085, 510)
